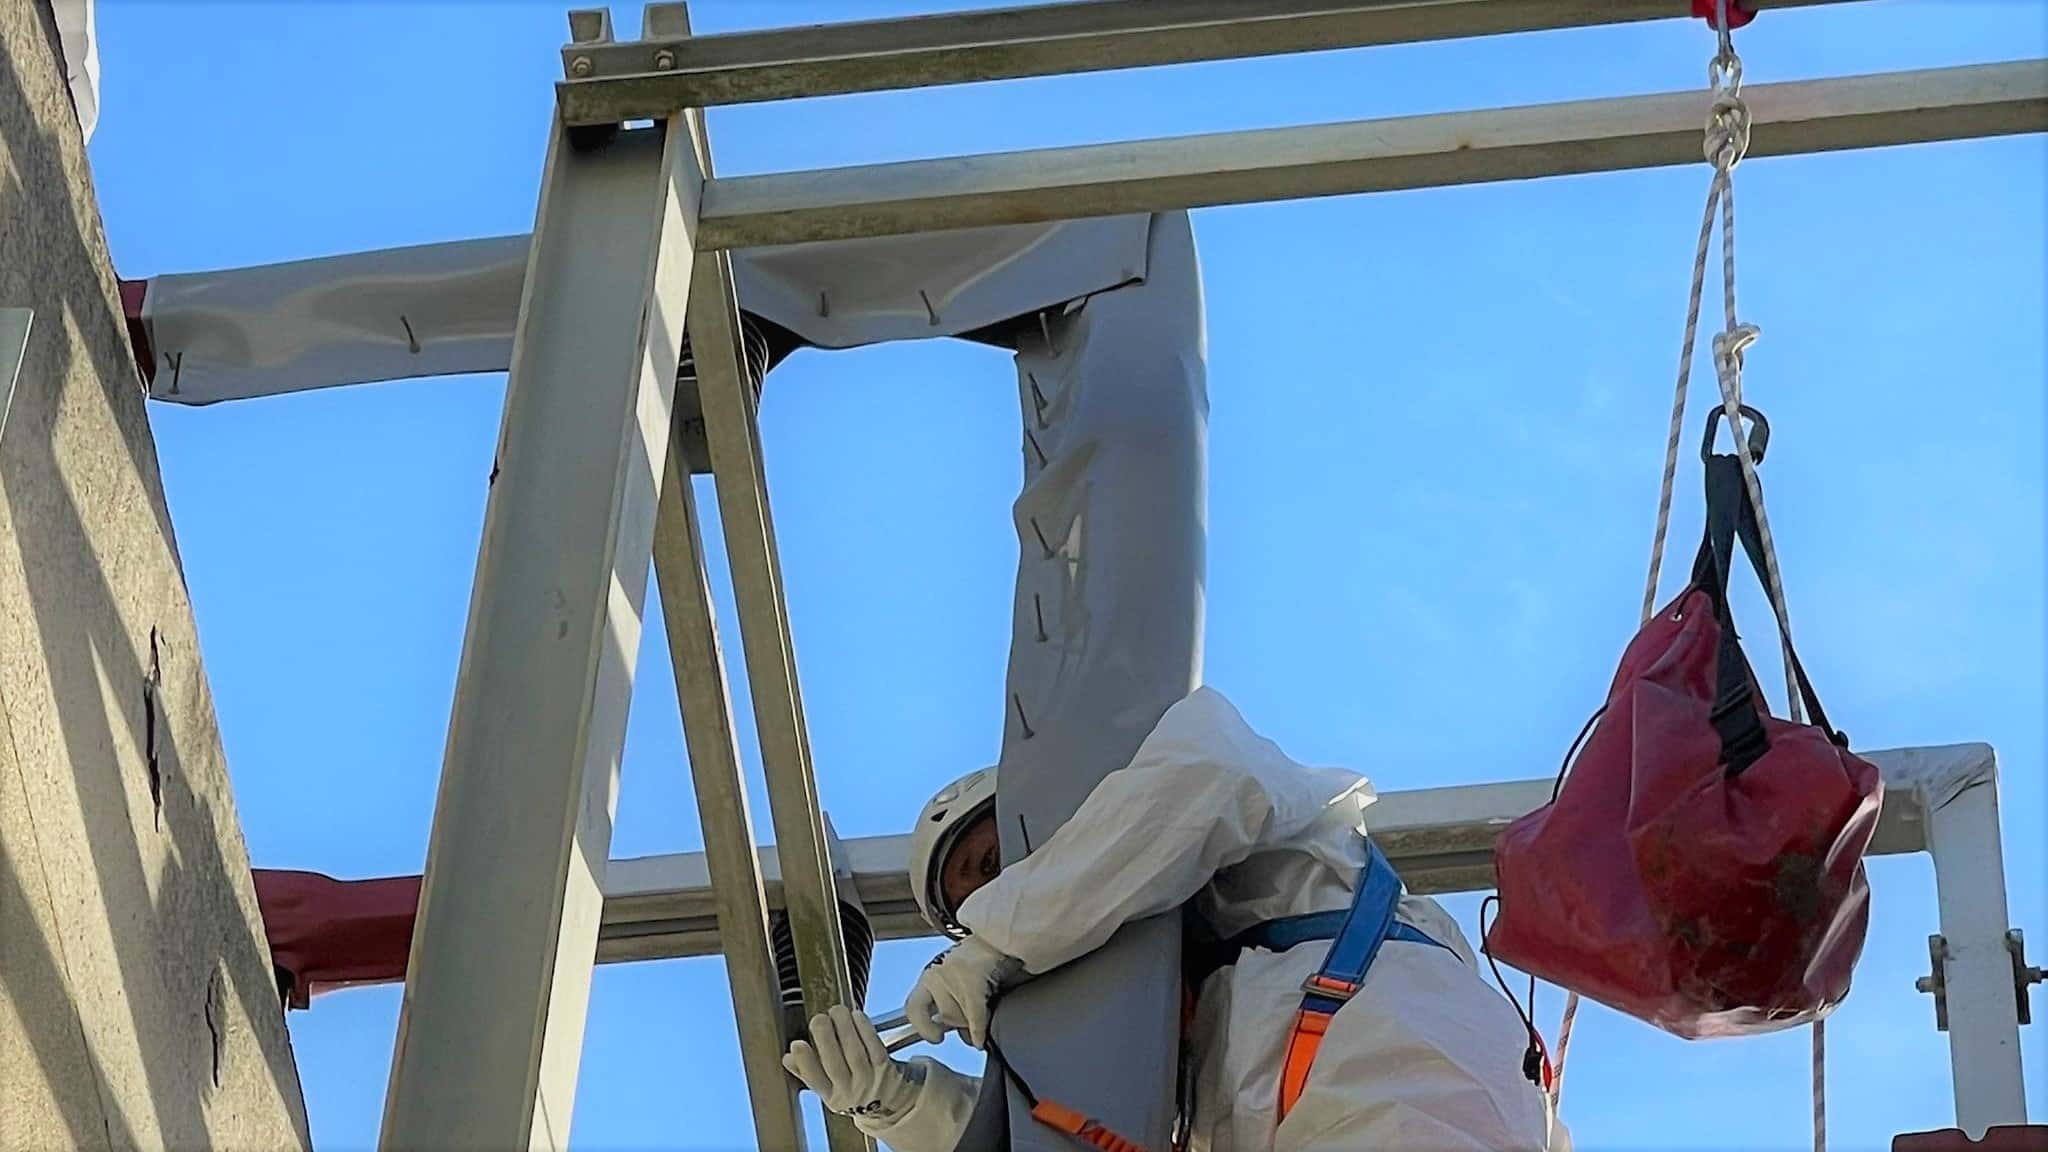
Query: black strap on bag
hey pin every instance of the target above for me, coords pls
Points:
(1738, 712)
(1750, 532)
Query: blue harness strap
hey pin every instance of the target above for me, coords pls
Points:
(1280, 935)
(1355, 936)
(1378, 894)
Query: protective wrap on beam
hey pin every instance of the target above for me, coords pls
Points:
(448, 309)
(1106, 636)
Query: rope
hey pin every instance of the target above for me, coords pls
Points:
(1692, 325)
(1564, 1043)
(1820, 1086)
(1727, 137)
(1727, 140)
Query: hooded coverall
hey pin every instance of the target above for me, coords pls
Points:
(1425, 1056)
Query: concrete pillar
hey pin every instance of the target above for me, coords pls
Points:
(137, 1005)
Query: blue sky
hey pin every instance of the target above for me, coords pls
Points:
(1437, 423)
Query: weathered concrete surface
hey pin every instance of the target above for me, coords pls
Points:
(137, 1007)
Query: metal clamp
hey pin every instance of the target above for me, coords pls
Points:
(1936, 981)
(2024, 975)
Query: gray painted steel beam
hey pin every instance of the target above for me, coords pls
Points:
(662, 907)
(1439, 839)
(1365, 156)
(612, 83)
(729, 418)
(732, 865)
(491, 1029)
(727, 393)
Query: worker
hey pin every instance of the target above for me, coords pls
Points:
(1420, 1054)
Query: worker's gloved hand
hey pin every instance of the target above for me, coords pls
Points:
(845, 1063)
(955, 990)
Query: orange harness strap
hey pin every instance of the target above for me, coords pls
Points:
(1061, 1118)
(1355, 936)
(1083, 1128)
(1302, 1046)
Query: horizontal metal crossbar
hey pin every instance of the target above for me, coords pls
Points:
(659, 907)
(1439, 839)
(609, 83)
(1365, 156)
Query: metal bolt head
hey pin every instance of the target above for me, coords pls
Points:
(664, 60)
(580, 66)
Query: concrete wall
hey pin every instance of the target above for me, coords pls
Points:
(137, 1007)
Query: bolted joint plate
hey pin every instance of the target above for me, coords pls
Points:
(2024, 977)
(587, 27)
(592, 28)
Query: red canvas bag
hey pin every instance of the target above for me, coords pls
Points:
(1700, 866)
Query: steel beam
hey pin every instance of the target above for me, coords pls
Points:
(663, 907)
(491, 1027)
(1365, 156)
(612, 83)
(1439, 839)
(726, 390)
(1977, 971)
(731, 863)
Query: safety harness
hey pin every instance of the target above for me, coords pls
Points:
(1355, 935)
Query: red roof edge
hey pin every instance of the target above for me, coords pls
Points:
(2001, 1138)
(133, 294)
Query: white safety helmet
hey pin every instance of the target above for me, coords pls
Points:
(944, 817)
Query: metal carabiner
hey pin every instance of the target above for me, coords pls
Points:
(1759, 433)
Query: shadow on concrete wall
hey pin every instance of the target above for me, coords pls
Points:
(125, 690)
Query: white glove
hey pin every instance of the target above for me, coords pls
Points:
(954, 992)
(845, 1063)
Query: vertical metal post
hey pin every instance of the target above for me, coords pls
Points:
(726, 389)
(498, 984)
(726, 394)
(729, 854)
(731, 861)
(1983, 1005)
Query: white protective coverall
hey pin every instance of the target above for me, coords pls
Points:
(1426, 1056)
